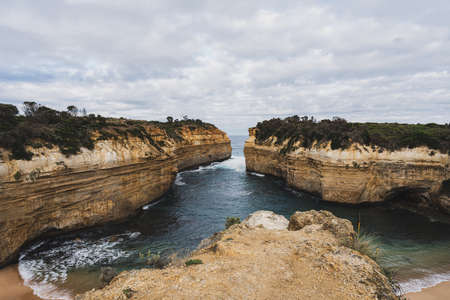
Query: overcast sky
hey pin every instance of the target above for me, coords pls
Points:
(231, 63)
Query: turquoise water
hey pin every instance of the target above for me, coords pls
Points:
(197, 206)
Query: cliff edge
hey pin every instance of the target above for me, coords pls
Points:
(417, 177)
(127, 165)
(264, 257)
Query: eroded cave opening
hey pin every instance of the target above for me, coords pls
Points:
(412, 198)
(445, 188)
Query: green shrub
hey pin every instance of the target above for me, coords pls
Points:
(17, 175)
(341, 134)
(45, 126)
(128, 292)
(231, 221)
(193, 262)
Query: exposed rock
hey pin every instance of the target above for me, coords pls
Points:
(95, 186)
(252, 262)
(266, 219)
(107, 274)
(342, 229)
(356, 175)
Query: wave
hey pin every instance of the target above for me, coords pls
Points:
(179, 180)
(256, 174)
(236, 163)
(42, 269)
(416, 285)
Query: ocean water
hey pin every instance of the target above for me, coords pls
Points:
(197, 205)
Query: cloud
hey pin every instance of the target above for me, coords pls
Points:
(230, 63)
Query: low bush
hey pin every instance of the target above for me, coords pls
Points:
(231, 221)
(391, 136)
(128, 292)
(41, 125)
(193, 262)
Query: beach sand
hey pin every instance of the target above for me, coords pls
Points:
(12, 287)
(437, 292)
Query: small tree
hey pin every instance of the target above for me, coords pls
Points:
(73, 110)
(169, 119)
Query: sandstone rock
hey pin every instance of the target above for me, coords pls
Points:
(252, 262)
(107, 183)
(354, 175)
(266, 219)
(342, 229)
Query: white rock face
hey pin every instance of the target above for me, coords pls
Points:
(266, 219)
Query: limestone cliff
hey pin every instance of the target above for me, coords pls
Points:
(358, 174)
(261, 259)
(56, 192)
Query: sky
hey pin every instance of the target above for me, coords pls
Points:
(231, 63)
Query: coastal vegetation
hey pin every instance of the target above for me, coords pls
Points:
(386, 136)
(70, 130)
(231, 221)
(193, 262)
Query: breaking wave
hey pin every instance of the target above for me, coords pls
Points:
(42, 268)
(236, 163)
(416, 285)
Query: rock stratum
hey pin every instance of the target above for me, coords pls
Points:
(264, 257)
(56, 192)
(418, 177)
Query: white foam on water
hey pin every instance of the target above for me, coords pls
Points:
(145, 207)
(42, 271)
(236, 163)
(179, 180)
(256, 174)
(416, 285)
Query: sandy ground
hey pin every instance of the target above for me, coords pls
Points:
(11, 285)
(438, 292)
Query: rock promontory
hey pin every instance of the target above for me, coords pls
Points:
(63, 172)
(264, 257)
(356, 163)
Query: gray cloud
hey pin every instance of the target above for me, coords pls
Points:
(230, 63)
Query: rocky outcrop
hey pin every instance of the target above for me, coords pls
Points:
(359, 174)
(249, 261)
(266, 219)
(53, 192)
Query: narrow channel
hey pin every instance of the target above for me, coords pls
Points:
(418, 248)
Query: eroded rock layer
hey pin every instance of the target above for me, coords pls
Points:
(262, 259)
(359, 174)
(55, 192)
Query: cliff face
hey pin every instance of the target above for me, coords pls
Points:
(110, 182)
(358, 174)
(262, 259)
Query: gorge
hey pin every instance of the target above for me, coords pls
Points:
(196, 205)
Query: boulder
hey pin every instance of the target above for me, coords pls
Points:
(342, 229)
(266, 219)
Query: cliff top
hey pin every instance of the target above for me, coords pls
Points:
(341, 134)
(262, 259)
(70, 130)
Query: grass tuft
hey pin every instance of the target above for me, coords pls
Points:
(193, 262)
